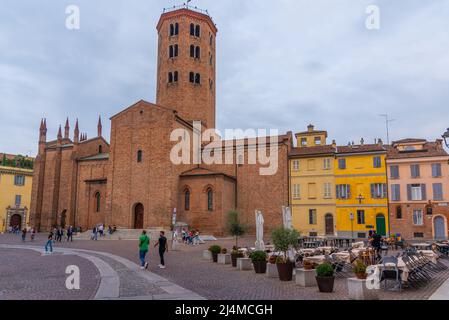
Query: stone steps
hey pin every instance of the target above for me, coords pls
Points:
(125, 234)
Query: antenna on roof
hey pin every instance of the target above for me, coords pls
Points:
(387, 124)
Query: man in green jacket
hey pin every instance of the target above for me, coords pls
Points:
(144, 242)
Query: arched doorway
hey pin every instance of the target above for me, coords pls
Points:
(439, 231)
(329, 223)
(138, 216)
(381, 228)
(16, 221)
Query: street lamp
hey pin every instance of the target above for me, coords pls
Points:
(445, 136)
(351, 217)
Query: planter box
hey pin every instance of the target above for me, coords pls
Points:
(272, 271)
(358, 291)
(207, 255)
(305, 278)
(244, 264)
(224, 258)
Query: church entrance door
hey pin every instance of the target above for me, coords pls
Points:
(138, 216)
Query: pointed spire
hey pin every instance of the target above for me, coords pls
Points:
(66, 129)
(42, 125)
(59, 133)
(76, 135)
(99, 126)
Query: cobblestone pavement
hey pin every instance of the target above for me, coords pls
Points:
(186, 268)
(29, 275)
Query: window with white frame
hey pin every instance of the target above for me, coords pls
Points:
(312, 216)
(295, 165)
(416, 192)
(418, 218)
(327, 190)
(378, 190)
(326, 163)
(296, 191)
(343, 191)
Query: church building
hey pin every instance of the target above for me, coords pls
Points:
(131, 181)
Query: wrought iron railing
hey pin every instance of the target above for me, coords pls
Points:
(188, 7)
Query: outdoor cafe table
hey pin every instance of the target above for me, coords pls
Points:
(401, 266)
(316, 259)
(325, 249)
(429, 254)
(342, 256)
(422, 245)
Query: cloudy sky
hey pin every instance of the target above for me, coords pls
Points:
(280, 64)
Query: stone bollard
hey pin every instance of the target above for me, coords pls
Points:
(272, 271)
(207, 255)
(244, 264)
(224, 258)
(305, 278)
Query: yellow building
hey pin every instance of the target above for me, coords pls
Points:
(15, 191)
(361, 190)
(312, 184)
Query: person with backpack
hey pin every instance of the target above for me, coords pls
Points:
(144, 242)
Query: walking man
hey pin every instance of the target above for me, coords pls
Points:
(144, 242)
(162, 243)
(24, 234)
(49, 243)
(33, 234)
(70, 234)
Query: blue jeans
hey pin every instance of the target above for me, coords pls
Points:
(142, 255)
(49, 243)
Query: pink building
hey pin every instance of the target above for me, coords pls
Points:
(418, 184)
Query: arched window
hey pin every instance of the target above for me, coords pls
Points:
(100, 149)
(192, 29)
(211, 84)
(197, 78)
(171, 52)
(197, 52)
(176, 29)
(211, 59)
(187, 200)
(211, 40)
(175, 76)
(191, 77)
(197, 31)
(192, 51)
(172, 30)
(176, 50)
(170, 77)
(139, 156)
(97, 202)
(210, 199)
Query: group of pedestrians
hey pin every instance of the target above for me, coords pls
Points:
(60, 233)
(99, 230)
(32, 233)
(144, 243)
(191, 237)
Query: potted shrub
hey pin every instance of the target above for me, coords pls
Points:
(283, 240)
(235, 228)
(215, 250)
(224, 251)
(360, 270)
(308, 265)
(259, 259)
(325, 277)
(272, 259)
(235, 254)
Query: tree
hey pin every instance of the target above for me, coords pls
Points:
(284, 239)
(235, 228)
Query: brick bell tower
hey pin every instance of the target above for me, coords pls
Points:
(186, 63)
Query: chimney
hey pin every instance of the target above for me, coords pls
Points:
(380, 142)
(439, 144)
(310, 127)
(66, 129)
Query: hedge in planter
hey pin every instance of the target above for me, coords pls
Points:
(259, 259)
(360, 270)
(215, 250)
(325, 277)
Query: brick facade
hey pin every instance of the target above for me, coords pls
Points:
(134, 175)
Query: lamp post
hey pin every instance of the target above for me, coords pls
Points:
(445, 136)
(351, 217)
